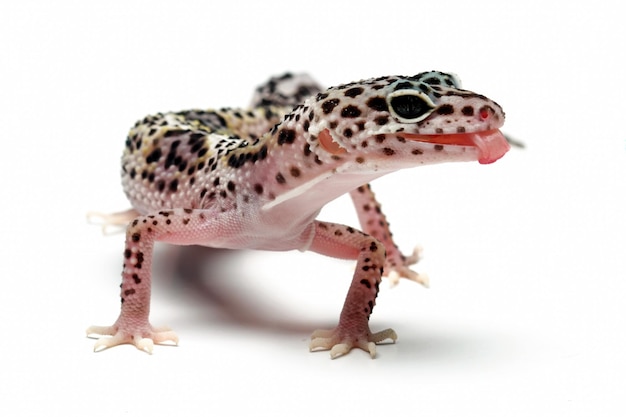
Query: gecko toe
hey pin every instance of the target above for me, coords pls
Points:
(143, 339)
(340, 341)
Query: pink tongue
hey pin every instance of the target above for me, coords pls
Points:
(492, 145)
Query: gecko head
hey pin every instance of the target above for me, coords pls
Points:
(392, 122)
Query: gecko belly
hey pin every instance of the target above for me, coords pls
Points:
(491, 144)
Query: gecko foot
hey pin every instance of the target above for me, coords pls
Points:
(340, 341)
(142, 339)
(112, 223)
(395, 272)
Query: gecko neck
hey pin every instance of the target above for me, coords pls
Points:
(297, 171)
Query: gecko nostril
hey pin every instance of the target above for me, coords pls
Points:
(485, 112)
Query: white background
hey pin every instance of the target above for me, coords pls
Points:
(526, 313)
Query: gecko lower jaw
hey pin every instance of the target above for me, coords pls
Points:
(491, 144)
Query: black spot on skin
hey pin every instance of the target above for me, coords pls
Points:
(321, 96)
(169, 160)
(136, 278)
(196, 145)
(417, 152)
(129, 292)
(135, 237)
(174, 132)
(467, 111)
(353, 92)
(366, 283)
(154, 156)
(388, 151)
(127, 253)
(174, 185)
(377, 103)
(236, 161)
(439, 147)
(295, 172)
(424, 88)
(460, 129)
(161, 185)
(347, 133)
(432, 81)
(280, 178)
(230, 186)
(381, 120)
(329, 105)
(258, 188)
(445, 109)
(286, 136)
(373, 247)
(350, 111)
(403, 85)
(359, 160)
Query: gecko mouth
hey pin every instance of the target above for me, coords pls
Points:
(491, 144)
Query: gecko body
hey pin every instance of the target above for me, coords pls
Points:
(257, 178)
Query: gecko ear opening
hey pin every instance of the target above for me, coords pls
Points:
(328, 143)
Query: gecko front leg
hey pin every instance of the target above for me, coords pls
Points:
(374, 223)
(182, 226)
(353, 329)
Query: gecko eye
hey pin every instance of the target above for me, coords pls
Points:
(410, 105)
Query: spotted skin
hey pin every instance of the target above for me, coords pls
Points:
(257, 178)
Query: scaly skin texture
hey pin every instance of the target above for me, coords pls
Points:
(256, 178)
